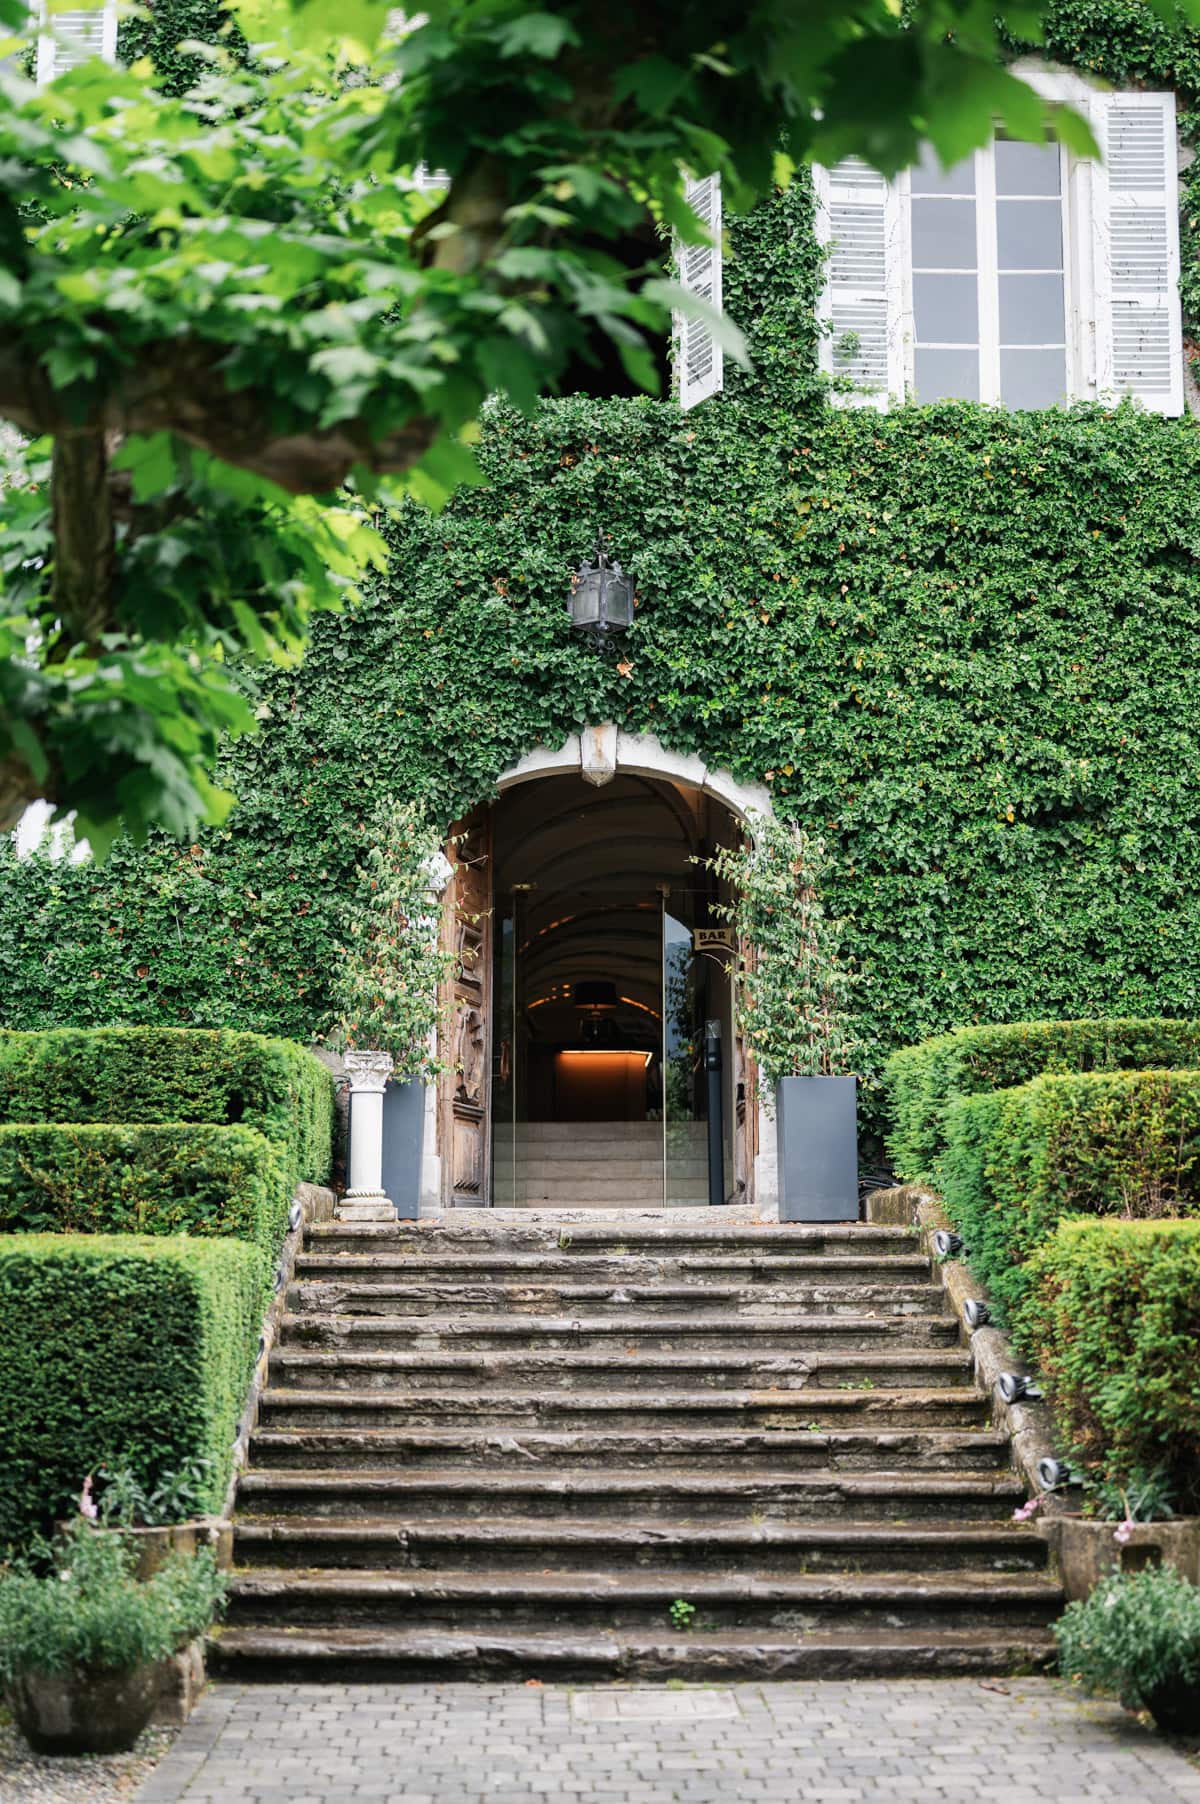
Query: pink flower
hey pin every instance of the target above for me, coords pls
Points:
(1029, 1509)
(87, 1506)
(1123, 1531)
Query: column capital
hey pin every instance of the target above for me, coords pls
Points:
(368, 1071)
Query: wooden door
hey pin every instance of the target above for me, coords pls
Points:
(465, 1115)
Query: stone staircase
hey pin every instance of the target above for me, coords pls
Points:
(628, 1448)
(599, 1165)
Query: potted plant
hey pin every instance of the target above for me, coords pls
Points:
(1138, 1634)
(171, 1518)
(387, 985)
(793, 985)
(84, 1643)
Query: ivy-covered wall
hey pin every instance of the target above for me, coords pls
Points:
(962, 644)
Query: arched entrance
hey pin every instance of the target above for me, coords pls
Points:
(591, 968)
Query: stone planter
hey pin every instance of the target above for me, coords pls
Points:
(817, 1139)
(403, 1144)
(85, 1712)
(154, 1544)
(1086, 1551)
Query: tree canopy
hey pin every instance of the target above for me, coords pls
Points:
(237, 320)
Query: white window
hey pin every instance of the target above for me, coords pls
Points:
(698, 356)
(73, 35)
(1024, 276)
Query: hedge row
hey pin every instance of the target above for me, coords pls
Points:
(924, 1081)
(120, 1350)
(1112, 1320)
(1097, 1143)
(176, 1178)
(153, 1074)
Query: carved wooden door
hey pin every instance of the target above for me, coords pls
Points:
(465, 1099)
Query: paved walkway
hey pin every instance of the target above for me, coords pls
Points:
(1015, 1741)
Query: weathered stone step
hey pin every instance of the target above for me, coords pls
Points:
(481, 1373)
(636, 1598)
(416, 1296)
(460, 1232)
(663, 1494)
(347, 1655)
(945, 1407)
(686, 1547)
(459, 1270)
(704, 1450)
(622, 1335)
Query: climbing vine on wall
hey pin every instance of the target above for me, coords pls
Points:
(961, 646)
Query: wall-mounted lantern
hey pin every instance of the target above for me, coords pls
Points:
(601, 598)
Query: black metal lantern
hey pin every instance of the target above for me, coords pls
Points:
(601, 598)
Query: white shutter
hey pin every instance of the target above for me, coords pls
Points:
(1139, 333)
(699, 359)
(74, 35)
(427, 179)
(859, 218)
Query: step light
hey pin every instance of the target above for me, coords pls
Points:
(1052, 1474)
(947, 1245)
(976, 1314)
(1017, 1387)
(295, 1215)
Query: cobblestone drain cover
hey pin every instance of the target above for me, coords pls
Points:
(651, 1706)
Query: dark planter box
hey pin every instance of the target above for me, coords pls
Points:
(403, 1140)
(817, 1135)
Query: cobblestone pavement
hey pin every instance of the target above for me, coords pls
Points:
(1016, 1741)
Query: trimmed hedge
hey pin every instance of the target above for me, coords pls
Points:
(128, 1351)
(922, 1081)
(177, 1178)
(1119, 1143)
(1113, 1321)
(163, 1074)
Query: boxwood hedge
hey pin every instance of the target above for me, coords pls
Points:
(923, 1081)
(96, 1178)
(1112, 1319)
(161, 1074)
(1095, 1143)
(124, 1350)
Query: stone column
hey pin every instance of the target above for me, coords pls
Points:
(365, 1199)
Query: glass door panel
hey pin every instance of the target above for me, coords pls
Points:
(697, 1013)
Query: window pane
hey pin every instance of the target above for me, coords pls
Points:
(1027, 168)
(928, 177)
(1032, 378)
(947, 375)
(946, 309)
(943, 234)
(1029, 234)
(1031, 310)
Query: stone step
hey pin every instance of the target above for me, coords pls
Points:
(665, 1495)
(485, 1373)
(572, 1160)
(621, 1597)
(623, 1336)
(346, 1655)
(419, 1296)
(474, 1230)
(592, 1191)
(604, 1133)
(945, 1407)
(563, 1545)
(693, 1271)
(487, 1450)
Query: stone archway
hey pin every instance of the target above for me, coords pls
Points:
(599, 754)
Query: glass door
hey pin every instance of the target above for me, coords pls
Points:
(697, 1044)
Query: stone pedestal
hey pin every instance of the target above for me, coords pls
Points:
(366, 1200)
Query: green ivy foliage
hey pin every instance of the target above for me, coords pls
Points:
(121, 1351)
(960, 646)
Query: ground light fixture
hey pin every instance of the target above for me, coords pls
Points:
(1017, 1387)
(947, 1245)
(1052, 1474)
(976, 1314)
(601, 598)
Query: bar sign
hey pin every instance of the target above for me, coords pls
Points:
(712, 939)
